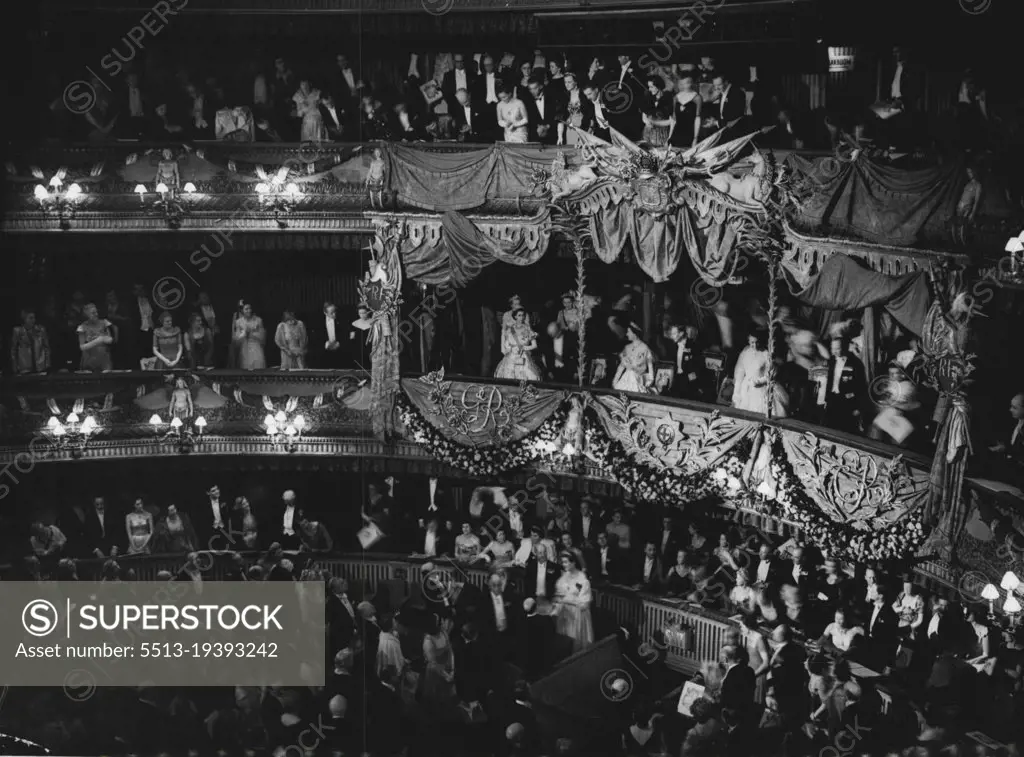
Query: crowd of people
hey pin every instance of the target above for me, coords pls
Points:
(816, 646)
(537, 96)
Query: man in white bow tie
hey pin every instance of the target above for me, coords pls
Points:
(289, 538)
(214, 522)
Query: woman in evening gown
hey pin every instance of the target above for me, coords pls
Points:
(250, 532)
(686, 114)
(175, 532)
(307, 107)
(572, 600)
(30, 346)
(292, 341)
(250, 336)
(574, 105)
(95, 335)
(139, 524)
(517, 343)
(750, 380)
(168, 343)
(657, 112)
(636, 365)
(512, 116)
(438, 686)
(758, 657)
(199, 343)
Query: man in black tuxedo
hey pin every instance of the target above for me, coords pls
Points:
(595, 115)
(687, 361)
(540, 575)
(458, 78)
(543, 109)
(559, 351)
(647, 575)
(346, 88)
(586, 524)
(406, 125)
(769, 569)
(883, 630)
(738, 685)
(333, 117)
(668, 541)
(845, 389)
(787, 680)
(473, 123)
(603, 560)
(326, 337)
(340, 614)
(731, 108)
(623, 97)
(473, 674)
(501, 617)
(285, 530)
(800, 573)
(102, 530)
(485, 89)
(212, 522)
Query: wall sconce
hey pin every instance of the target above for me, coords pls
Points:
(178, 433)
(72, 436)
(173, 204)
(279, 198)
(61, 204)
(284, 432)
(1014, 246)
(1010, 582)
(991, 593)
(1012, 608)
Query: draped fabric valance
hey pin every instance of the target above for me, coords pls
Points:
(879, 203)
(845, 284)
(442, 181)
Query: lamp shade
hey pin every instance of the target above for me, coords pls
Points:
(154, 420)
(161, 188)
(1011, 605)
(190, 187)
(990, 592)
(40, 192)
(1010, 581)
(140, 189)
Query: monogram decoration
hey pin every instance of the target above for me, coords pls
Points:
(850, 485)
(475, 409)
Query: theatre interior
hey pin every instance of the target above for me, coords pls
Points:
(635, 378)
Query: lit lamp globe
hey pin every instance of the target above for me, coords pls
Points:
(40, 192)
(1010, 581)
(1011, 606)
(154, 420)
(200, 423)
(991, 593)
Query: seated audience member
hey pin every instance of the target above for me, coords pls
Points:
(767, 606)
(727, 555)
(840, 635)
(668, 542)
(467, 544)
(587, 525)
(769, 567)
(742, 597)
(527, 547)
(647, 573)
(677, 577)
(499, 552)
(620, 531)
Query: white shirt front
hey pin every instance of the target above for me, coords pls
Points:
(933, 624)
(542, 579)
(492, 95)
(648, 568)
(403, 118)
(350, 78)
(838, 374)
(460, 79)
(604, 561)
(289, 517)
(433, 495)
(665, 536)
(101, 516)
(599, 113)
(796, 573)
(334, 114)
(625, 70)
(208, 315)
(721, 101)
(331, 336)
(558, 345)
(762, 571)
(540, 106)
(874, 616)
(585, 527)
(500, 620)
(430, 544)
(469, 116)
(215, 506)
(682, 349)
(145, 314)
(1017, 430)
(896, 91)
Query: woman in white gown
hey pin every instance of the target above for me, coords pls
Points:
(636, 365)
(512, 116)
(572, 604)
(307, 107)
(518, 341)
(750, 380)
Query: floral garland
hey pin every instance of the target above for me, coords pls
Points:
(539, 444)
(788, 499)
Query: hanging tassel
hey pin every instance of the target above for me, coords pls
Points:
(268, 404)
(97, 169)
(79, 406)
(238, 397)
(52, 404)
(23, 404)
(131, 159)
(108, 401)
(216, 387)
(293, 402)
(318, 401)
(232, 167)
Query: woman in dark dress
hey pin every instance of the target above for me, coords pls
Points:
(686, 109)
(657, 112)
